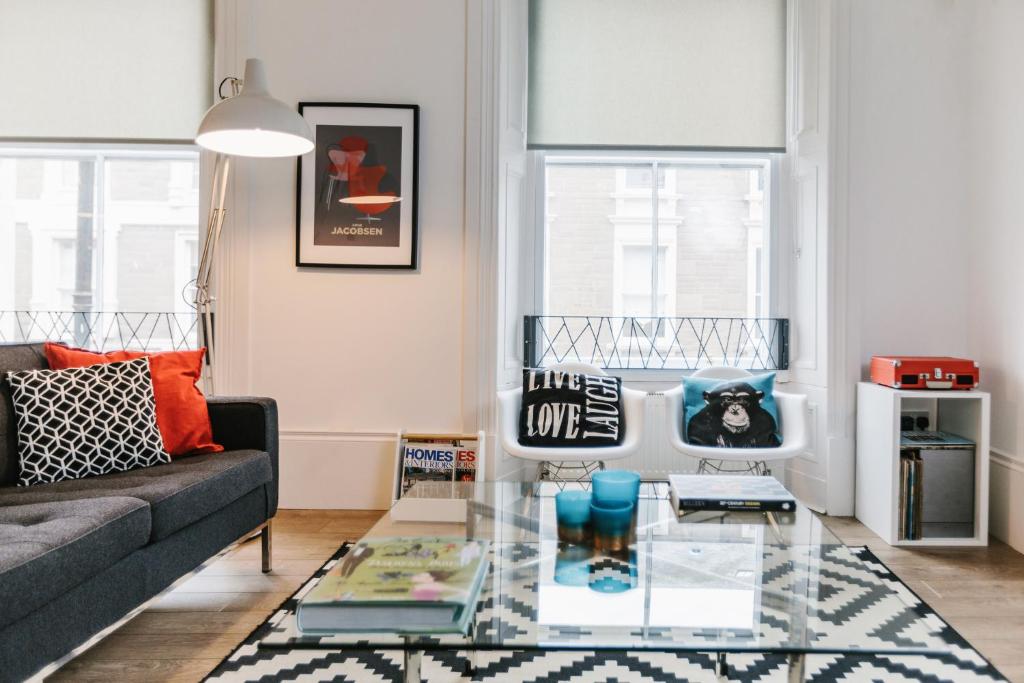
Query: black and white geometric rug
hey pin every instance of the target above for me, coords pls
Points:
(248, 663)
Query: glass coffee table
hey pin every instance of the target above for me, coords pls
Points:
(709, 582)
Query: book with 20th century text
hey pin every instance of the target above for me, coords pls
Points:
(725, 492)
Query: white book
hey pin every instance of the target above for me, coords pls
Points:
(735, 492)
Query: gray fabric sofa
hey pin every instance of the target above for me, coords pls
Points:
(77, 556)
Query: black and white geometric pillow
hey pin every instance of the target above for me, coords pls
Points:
(86, 421)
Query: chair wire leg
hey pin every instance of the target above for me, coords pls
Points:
(562, 473)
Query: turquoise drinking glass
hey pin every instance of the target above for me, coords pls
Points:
(612, 521)
(572, 510)
(616, 485)
(572, 565)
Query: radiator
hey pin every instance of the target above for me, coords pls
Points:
(656, 459)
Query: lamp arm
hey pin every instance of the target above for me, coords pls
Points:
(214, 225)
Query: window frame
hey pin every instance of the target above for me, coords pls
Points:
(100, 153)
(769, 162)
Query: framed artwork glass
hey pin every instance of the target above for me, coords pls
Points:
(356, 195)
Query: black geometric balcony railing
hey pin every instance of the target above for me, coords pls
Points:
(621, 343)
(102, 331)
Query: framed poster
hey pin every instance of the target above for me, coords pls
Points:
(356, 191)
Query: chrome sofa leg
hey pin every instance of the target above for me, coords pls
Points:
(266, 547)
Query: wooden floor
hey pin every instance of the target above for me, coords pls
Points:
(980, 592)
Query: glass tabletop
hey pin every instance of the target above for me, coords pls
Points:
(708, 581)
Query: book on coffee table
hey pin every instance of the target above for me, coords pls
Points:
(400, 585)
(729, 492)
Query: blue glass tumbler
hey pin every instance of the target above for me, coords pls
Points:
(572, 565)
(612, 522)
(572, 509)
(616, 485)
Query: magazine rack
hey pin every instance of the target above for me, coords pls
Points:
(447, 506)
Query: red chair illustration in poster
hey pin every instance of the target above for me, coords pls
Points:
(346, 165)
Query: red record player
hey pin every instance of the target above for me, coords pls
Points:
(924, 372)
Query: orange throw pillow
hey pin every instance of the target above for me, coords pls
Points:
(181, 412)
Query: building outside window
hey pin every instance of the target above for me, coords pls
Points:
(600, 239)
(692, 246)
(99, 230)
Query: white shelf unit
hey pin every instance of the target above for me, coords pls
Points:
(879, 408)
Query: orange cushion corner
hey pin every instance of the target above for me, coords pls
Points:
(181, 412)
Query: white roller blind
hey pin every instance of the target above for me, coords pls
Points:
(679, 74)
(104, 69)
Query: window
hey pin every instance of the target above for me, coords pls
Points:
(693, 246)
(125, 217)
(64, 271)
(639, 177)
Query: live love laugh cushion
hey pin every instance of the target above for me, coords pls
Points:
(733, 413)
(568, 409)
(85, 421)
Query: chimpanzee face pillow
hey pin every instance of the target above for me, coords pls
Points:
(567, 409)
(735, 413)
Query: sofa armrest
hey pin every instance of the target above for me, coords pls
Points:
(244, 422)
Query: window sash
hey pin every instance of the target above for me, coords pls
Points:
(767, 163)
(100, 154)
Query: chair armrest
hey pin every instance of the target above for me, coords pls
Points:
(247, 422)
(793, 415)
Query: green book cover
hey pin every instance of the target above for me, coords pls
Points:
(402, 571)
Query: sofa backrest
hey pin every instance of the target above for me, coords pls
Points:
(13, 357)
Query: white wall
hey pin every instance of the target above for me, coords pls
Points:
(907, 203)
(898, 202)
(350, 356)
(996, 315)
(934, 170)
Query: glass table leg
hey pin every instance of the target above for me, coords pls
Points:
(797, 665)
(413, 660)
(469, 667)
(721, 666)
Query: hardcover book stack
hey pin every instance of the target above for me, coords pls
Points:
(398, 585)
(725, 492)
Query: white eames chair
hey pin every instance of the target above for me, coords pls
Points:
(793, 427)
(574, 463)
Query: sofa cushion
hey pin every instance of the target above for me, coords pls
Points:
(13, 357)
(180, 406)
(179, 493)
(46, 549)
(84, 422)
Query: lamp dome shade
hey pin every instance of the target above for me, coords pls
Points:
(254, 124)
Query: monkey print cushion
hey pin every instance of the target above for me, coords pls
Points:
(568, 409)
(734, 413)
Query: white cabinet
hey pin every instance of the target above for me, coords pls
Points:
(879, 408)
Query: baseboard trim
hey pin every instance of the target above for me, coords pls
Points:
(1007, 460)
(333, 435)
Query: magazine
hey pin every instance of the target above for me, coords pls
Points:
(437, 460)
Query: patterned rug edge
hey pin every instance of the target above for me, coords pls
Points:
(864, 552)
(861, 551)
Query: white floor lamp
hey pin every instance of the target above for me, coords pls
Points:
(250, 123)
